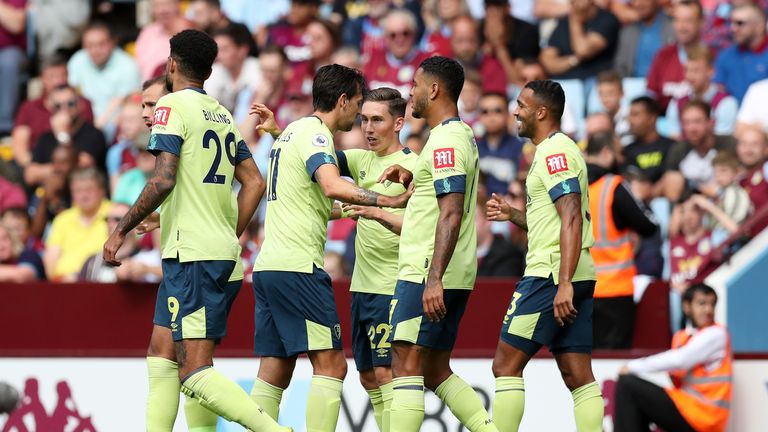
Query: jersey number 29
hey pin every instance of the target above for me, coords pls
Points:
(229, 143)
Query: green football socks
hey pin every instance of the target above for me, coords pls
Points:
(386, 399)
(163, 399)
(323, 404)
(407, 410)
(465, 404)
(588, 408)
(509, 403)
(199, 418)
(267, 396)
(225, 398)
(378, 405)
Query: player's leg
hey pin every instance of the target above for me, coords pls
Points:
(528, 324)
(383, 376)
(639, 402)
(572, 348)
(200, 322)
(364, 343)
(459, 396)
(407, 409)
(162, 369)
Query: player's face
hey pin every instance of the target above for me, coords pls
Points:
(149, 98)
(701, 309)
(525, 113)
(378, 125)
(349, 112)
(419, 94)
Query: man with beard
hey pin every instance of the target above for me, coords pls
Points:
(552, 304)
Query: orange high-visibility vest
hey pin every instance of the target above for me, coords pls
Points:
(612, 252)
(703, 396)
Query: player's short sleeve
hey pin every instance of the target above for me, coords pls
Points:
(349, 162)
(316, 151)
(168, 127)
(243, 152)
(449, 168)
(558, 172)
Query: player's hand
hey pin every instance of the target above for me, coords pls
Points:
(397, 174)
(151, 223)
(357, 211)
(266, 122)
(401, 200)
(498, 209)
(565, 313)
(434, 306)
(111, 247)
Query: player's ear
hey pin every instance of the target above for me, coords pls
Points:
(399, 123)
(342, 101)
(434, 89)
(541, 112)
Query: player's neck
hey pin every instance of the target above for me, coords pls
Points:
(545, 131)
(441, 110)
(181, 83)
(394, 147)
(329, 119)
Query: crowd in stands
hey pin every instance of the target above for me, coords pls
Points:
(666, 93)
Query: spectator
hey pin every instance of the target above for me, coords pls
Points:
(499, 151)
(13, 22)
(395, 65)
(17, 263)
(323, 40)
(496, 256)
(256, 15)
(665, 78)
(752, 111)
(101, 70)
(207, 16)
(275, 74)
(641, 40)
(288, 33)
(649, 261)
(616, 214)
(152, 45)
(58, 25)
(235, 75)
(752, 150)
(689, 162)
(68, 126)
(649, 151)
(698, 76)
(508, 39)
(53, 195)
(469, 101)
(129, 184)
(334, 265)
(596, 123)
(465, 47)
(365, 32)
(440, 17)
(122, 156)
(18, 221)
(700, 366)
(34, 116)
(689, 244)
(583, 43)
(11, 195)
(746, 61)
(611, 92)
(348, 56)
(79, 232)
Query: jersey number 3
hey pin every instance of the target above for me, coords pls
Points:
(229, 142)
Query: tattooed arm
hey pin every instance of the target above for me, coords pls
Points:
(390, 221)
(446, 235)
(333, 186)
(156, 190)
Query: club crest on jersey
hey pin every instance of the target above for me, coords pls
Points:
(161, 116)
(444, 158)
(319, 140)
(557, 163)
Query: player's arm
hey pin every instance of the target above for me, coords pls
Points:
(498, 209)
(158, 188)
(251, 192)
(390, 221)
(451, 207)
(569, 209)
(333, 186)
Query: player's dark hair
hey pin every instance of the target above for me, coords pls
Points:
(698, 288)
(697, 104)
(160, 79)
(194, 52)
(598, 141)
(332, 81)
(239, 34)
(448, 71)
(650, 104)
(550, 94)
(394, 100)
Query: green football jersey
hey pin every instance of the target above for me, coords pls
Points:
(558, 169)
(199, 218)
(375, 246)
(297, 209)
(447, 164)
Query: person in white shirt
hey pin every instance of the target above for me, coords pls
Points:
(235, 75)
(700, 366)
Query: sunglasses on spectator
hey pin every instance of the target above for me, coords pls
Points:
(68, 104)
(403, 34)
(485, 111)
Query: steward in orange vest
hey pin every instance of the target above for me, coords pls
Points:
(616, 214)
(700, 365)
